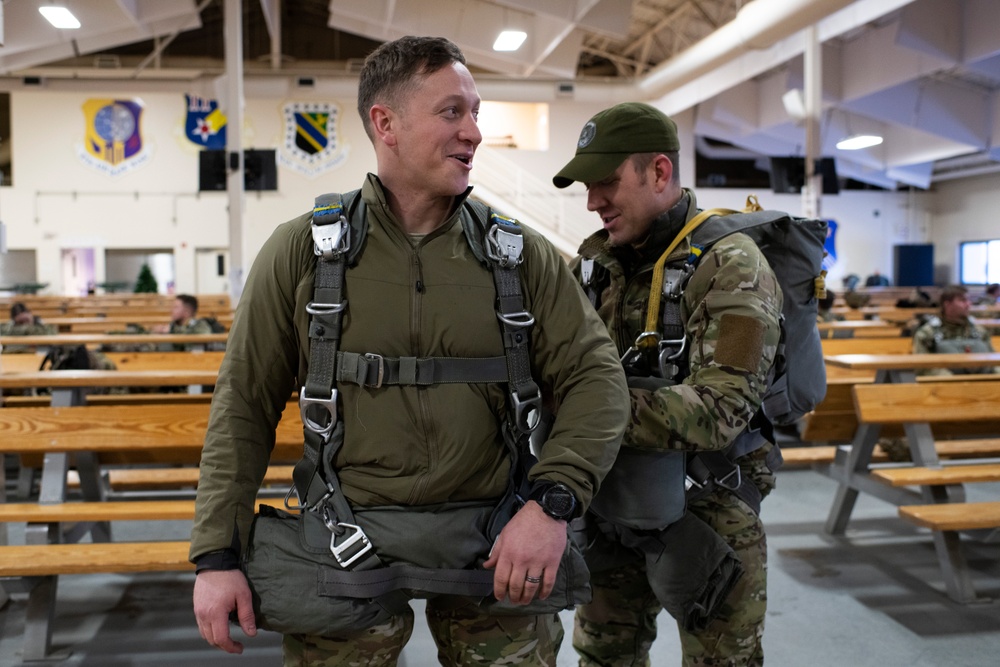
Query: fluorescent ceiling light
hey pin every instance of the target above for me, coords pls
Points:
(60, 17)
(509, 40)
(859, 141)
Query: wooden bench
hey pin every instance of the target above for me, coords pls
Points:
(923, 476)
(36, 566)
(953, 516)
(135, 479)
(194, 360)
(96, 438)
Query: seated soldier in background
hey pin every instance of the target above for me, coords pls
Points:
(184, 319)
(23, 323)
(952, 332)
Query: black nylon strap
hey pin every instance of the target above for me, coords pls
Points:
(372, 370)
(379, 582)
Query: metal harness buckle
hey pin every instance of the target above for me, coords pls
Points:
(380, 375)
(527, 413)
(504, 247)
(519, 320)
(329, 404)
(331, 239)
(357, 540)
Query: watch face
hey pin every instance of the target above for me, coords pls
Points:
(558, 502)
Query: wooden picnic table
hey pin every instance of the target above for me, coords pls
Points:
(936, 402)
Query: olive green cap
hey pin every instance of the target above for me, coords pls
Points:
(614, 134)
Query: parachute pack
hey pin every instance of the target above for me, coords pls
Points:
(793, 246)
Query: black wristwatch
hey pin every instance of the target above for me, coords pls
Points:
(556, 500)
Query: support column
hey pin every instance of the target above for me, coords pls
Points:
(813, 93)
(233, 11)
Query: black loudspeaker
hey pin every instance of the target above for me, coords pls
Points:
(260, 170)
(212, 170)
(788, 174)
(913, 264)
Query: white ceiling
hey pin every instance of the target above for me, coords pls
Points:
(925, 74)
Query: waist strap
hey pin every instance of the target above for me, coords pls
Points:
(374, 370)
(380, 582)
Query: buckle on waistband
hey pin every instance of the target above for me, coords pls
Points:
(504, 247)
(380, 374)
(332, 239)
(308, 403)
(353, 548)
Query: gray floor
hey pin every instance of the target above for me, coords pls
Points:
(874, 598)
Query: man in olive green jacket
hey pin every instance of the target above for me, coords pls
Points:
(416, 291)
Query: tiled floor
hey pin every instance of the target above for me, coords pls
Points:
(872, 599)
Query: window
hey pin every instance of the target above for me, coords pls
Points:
(979, 262)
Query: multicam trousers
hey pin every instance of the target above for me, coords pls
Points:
(618, 627)
(463, 634)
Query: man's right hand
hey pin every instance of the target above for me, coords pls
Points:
(216, 594)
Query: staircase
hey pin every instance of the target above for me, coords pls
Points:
(501, 183)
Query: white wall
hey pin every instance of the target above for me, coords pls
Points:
(57, 202)
(963, 210)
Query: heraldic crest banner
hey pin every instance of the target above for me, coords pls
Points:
(113, 142)
(312, 145)
(205, 124)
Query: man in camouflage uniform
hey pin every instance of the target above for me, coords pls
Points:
(184, 317)
(24, 323)
(954, 331)
(416, 293)
(627, 157)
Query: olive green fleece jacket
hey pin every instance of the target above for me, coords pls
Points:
(407, 445)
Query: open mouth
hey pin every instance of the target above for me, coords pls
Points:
(464, 159)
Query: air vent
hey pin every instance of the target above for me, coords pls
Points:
(107, 61)
(306, 82)
(32, 80)
(565, 89)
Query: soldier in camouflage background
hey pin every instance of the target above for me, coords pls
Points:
(627, 158)
(953, 331)
(184, 317)
(23, 323)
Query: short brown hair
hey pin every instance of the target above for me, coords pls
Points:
(389, 71)
(952, 292)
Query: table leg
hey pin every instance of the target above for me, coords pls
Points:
(857, 462)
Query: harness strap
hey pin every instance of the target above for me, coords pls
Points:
(504, 243)
(323, 435)
(383, 581)
(374, 370)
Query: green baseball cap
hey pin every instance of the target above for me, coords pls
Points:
(614, 134)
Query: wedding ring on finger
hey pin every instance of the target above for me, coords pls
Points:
(532, 580)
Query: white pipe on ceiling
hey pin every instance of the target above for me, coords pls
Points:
(758, 25)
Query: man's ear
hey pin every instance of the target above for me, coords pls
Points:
(663, 171)
(383, 121)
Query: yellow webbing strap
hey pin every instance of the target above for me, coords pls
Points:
(649, 336)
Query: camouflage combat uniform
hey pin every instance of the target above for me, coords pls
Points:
(34, 329)
(730, 311)
(964, 336)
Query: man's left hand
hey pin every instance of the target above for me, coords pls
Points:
(529, 547)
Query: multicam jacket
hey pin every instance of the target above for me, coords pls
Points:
(730, 310)
(939, 336)
(34, 329)
(406, 445)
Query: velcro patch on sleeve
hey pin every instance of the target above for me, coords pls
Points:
(741, 342)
